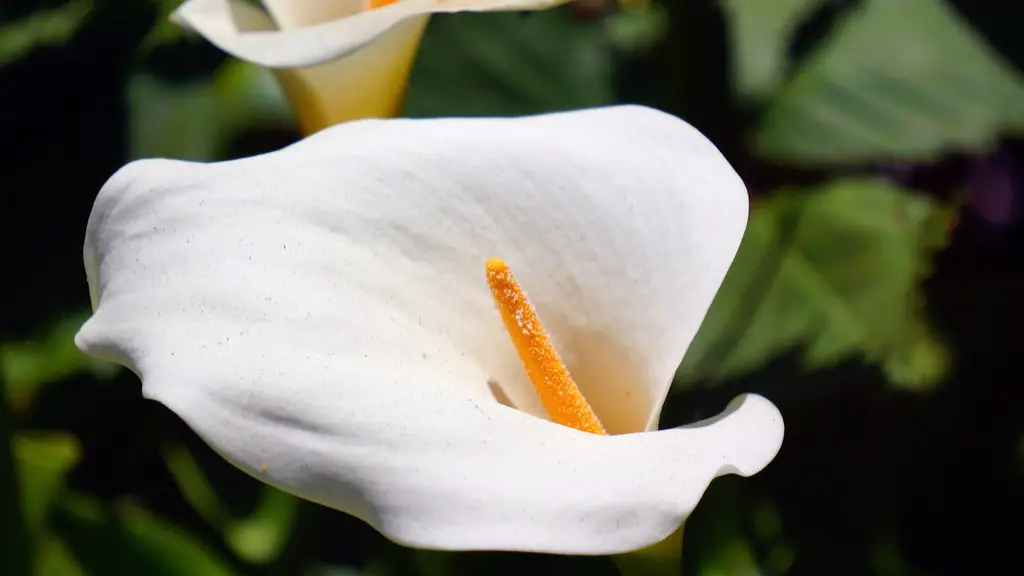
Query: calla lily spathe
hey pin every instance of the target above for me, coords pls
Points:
(337, 60)
(320, 316)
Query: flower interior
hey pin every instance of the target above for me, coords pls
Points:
(373, 4)
(558, 392)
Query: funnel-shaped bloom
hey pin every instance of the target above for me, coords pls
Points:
(324, 317)
(337, 60)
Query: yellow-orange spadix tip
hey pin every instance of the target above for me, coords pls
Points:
(558, 392)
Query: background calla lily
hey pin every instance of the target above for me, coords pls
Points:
(337, 60)
(319, 315)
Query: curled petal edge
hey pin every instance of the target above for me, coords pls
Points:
(248, 33)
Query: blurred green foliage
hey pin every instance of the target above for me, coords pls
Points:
(904, 80)
(28, 364)
(46, 27)
(818, 93)
(544, 61)
(760, 33)
(835, 270)
(196, 120)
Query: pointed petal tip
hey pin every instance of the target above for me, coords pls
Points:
(755, 430)
(97, 341)
(82, 338)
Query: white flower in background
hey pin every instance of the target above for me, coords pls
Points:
(325, 317)
(337, 60)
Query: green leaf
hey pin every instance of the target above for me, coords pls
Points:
(164, 31)
(259, 537)
(509, 63)
(726, 529)
(196, 120)
(636, 31)
(43, 464)
(906, 80)
(126, 539)
(835, 271)
(31, 364)
(42, 28)
(759, 35)
(719, 539)
(660, 559)
(54, 559)
(15, 542)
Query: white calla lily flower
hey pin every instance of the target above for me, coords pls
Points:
(337, 60)
(321, 316)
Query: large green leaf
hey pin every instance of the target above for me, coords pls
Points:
(835, 271)
(50, 27)
(759, 34)
(509, 63)
(126, 539)
(905, 79)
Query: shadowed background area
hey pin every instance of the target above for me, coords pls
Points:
(876, 298)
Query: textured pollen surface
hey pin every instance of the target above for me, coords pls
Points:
(559, 394)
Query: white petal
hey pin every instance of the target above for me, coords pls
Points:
(247, 33)
(322, 312)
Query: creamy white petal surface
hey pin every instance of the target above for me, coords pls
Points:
(320, 316)
(248, 33)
